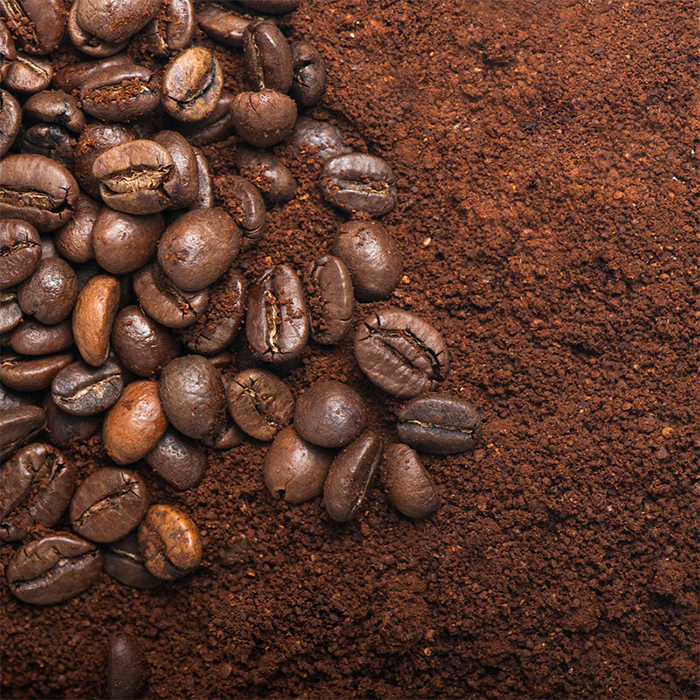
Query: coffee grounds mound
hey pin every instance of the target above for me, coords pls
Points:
(543, 154)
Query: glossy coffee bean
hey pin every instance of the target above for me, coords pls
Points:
(263, 118)
(32, 373)
(36, 486)
(108, 505)
(18, 426)
(331, 299)
(74, 239)
(330, 414)
(441, 424)
(142, 345)
(28, 74)
(309, 74)
(37, 26)
(170, 543)
(265, 170)
(198, 248)
(179, 460)
(372, 257)
(408, 485)
(193, 396)
(55, 107)
(53, 569)
(10, 313)
(13, 399)
(34, 338)
(93, 317)
(205, 190)
(127, 667)
(228, 437)
(52, 141)
(20, 251)
(184, 186)
(82, 390)
(224, 24)
(64, 429)
(268, 58)
(72, 76)
(320, 139)
(400, 352)
(216, 126)
(260, 403)
(89, 43)
(173, 29)
(115, 21)
(123, 562)
(359, 182)
(277, 323)
(8, 50)
(351, 477)
(273, 7)
(10, 121)
(294, 469)
(247, 207)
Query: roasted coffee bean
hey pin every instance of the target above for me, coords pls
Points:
(127, 667)
(18, 426)
(10, 313)
(273, 7)
(93, 318)
(277, 323)
(133, 177)
(221, 360)
(408, 486)
(205, 192)
(166, 303)
(108, 505)
(135, 424)
(10, 121)
(48, 247)
(184, 186)
(37, 26)
(28, 74)
(12, 399)
(351, 477)
(52, 141)
(20, 251)
(115, 21)
(8, 51)
(74, 239)
(71, 77)
(34, 338)
(36, 189)
(247, 206)
(331, 299)
(225, 25)
(170, 543)
(371, 255)
(179, 460)
(193, 396)
(192, 85)
(309, 74)
(260, 403)
(263, 118)
(224, 314)
(359, 182)
(217, 126)
(440, 424)
(173, 29)
(55, 107)
(267, 173)
(142, 345)
(83, 390)
(330, 414)
(53, 569)
(400, 352)
(123, 562)
(120, 94)
(32, 373)
(198, 248)
(88, 43)
(36, 486)
(229, 436)
(316, 138)
(63, 428)
(268, 58)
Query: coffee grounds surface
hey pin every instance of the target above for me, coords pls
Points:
(545, 170)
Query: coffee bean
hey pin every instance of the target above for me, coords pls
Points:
(277, 324)
(142, 345)
(179, 460)
(229, 436)
(184, 186)
(351, 477)
(53, 569)
(198, 248)
(222, 360)
(166, 303)
(13, 399)
(127, 667)
(193, 396)
(330, 414)
(115, 21)
(34, 338)
(10, 313)
(93, 317)
(268, 58)
(123, 562)
(359, 182)
(18, 426)
(32, 373)
(260, 403)
(82, 390)
(271, 6)
(216, 126)
(408, 486)
(173, 29)
(309, 74)
(55, 107)
(37, 26)
(295, 469)
(10, 121)
(267, 173)
(20, 251)
(224, 25)
(331, 299)
(192, 85)
(28, 74)
(51, 141)
(64, 429)
(247, 206)
(108, 505)
(36, 486)
(170, 543)
(440, 424)
(316, 138)
(74, 238)
(263, 118)
(8, 51)
(88, 43)
(400, 352)
(72, 76)
(205, 191)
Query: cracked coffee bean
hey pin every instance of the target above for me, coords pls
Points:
(34, 338)
(263, 118)
(115, 21)
(50, 292)
(10, 121)
(331, 299)
(184, 186)
(408, 485)
(93, 317)
(51, 141)
(28, 74)
(319, 139)
(37, 26)
(268, 57)
(123, 562)
(309, 82)
(72, 76)
(89, 43)
(216, 126)
(127, 667)
(247, 207)
(18, 426)
(179, 460)
(32, 373)
(74, 239)
(20, 251)
(173, 29)
(64, 429)
(229, 436)
(265, 170)
(83, 390)
(55, 107)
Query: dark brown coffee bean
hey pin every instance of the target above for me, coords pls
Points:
(34, 338)
(319, 139)
(10, 313)
(173, 29)
(274, 7)
(400, 352)
(36, 486)
(267, 173)
(372, 257)
(268, 58)
(295, 469)
(331, 299)
(198, 248)
(143, 346)
(229, 436)
(72, 76)
(32, 373)
(260, 403)
(10, 121)
(192, 85)
(263, 118)
(330, 414)
(359, 182)
(83, 390)
(18, 426)
(115, 21)
(28, 74)
(64, 429)
(408, 485)
(179, 460)
(193, 396)
(170, 543)
(74, 239)
(55, 107)
(222, 360)
(225, 25)
(20, 251)
(8, 51)
(247, 206)
(217, 126)
(88, 43)
(53, 569)
(205, 191)
(123, 562)
(277, 323)
(13, 399)
(127, 667)
(50, 140)
(93, 317)
(135, 424)
(351, 477)
(309, 74)
(184, 186)
(440, 424)
(37, 26)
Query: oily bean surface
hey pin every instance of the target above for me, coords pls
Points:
(317, 138)
(184, 187)
(216, 126)
(179, 460)
(73, 240)
(71, 77)
(37, 26)
(83, 390)
(225, 25)
(309, 70)
(28, 74)
(10, 121)
(265, 170)
(205, 188)
(229, 436)
(408, 485)
(247, 207)
(123, 562)
(268, 57)
(115, 21)
(174, 33)
(127, 667)
(52, 141)
(63, 428)
(263, 118)
(331, 299)
(34, 338)
(10, 312)
(50, 292)
(32, 373)
(18, 426)
(93, 317)
(55, 106)
(20, 251)
(90, 44)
